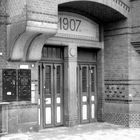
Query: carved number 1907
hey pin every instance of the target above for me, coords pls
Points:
(69, 23)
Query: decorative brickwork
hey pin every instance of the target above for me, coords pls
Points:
(126, 119)
(116, 91)
(124, 5)
(113, 3)
(134, 120)
(117, 118)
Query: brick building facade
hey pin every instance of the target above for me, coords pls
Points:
(69, 62)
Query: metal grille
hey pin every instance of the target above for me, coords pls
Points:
(9, 85)
(24, 84)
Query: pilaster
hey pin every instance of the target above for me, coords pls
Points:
(70, 82)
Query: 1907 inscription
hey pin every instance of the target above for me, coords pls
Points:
(71, 24)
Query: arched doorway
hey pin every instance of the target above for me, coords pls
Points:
(77, 36)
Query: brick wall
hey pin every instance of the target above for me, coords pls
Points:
(16, 10)
(116, 58)
(122, 69)
(116, 94)
(3, 32)
(134, 56)
(126, 1)
(38, 10)
(42, 10)
(121, 60)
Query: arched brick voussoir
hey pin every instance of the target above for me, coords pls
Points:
(116, 5)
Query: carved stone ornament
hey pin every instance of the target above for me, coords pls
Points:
(72, 52)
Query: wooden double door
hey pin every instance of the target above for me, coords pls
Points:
(87, 92)
(52, 95)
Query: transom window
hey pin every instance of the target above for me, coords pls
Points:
(52, 52)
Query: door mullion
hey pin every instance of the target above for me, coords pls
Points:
(93, 91)
(89, 90)
(43, 96)
(54, 94)
(80, 91)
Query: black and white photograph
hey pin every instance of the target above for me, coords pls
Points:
(69, 69)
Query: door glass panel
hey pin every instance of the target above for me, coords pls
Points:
(39, 116)
(92, 80)
(58, 100)
(84, 99)
(92, 111)
(48, 80)
(58, 79)
(84, 112)
(58, 114)
(48, 115)
(84, 79)
(92, 98)
(48, 101)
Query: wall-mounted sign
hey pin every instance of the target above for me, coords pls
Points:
(77, 25)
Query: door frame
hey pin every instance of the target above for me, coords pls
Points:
(89, 94)
(41, 92)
